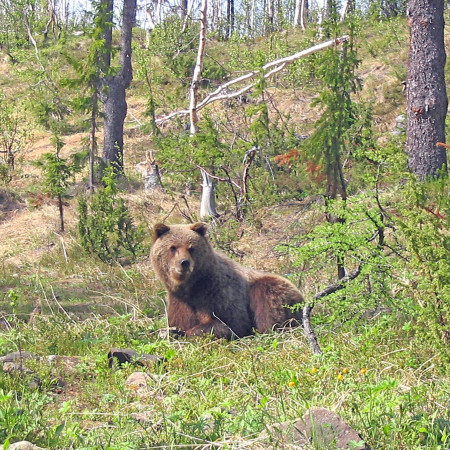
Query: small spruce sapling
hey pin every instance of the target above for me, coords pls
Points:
(57, 172)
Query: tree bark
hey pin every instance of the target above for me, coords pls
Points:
(93, 141)
(425, 88)
(114, 101)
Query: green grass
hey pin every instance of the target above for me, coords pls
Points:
(392, 390)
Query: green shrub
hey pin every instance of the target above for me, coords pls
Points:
(105, 224)
(424, 228)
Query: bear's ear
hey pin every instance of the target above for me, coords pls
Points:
(200, 228)
(158, 230)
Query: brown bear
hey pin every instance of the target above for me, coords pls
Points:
(209, 292)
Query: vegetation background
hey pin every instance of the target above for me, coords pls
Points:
(311, 181)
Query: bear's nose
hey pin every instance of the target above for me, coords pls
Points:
(185, 263)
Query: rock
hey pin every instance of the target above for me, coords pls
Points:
(35, 382)
(22, 445)
(17, 356)
(10, 367)
(318, 427)
(284, 435)
(326, 428)
(129, 355)
(137, 380)
(17, 367)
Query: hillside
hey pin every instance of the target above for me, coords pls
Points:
(385, 353)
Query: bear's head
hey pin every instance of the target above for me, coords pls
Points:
(180, 253)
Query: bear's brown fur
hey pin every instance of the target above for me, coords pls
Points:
(209, 292)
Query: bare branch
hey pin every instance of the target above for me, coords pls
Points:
(309, 332)
(340, 284)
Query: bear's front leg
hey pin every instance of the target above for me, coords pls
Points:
(210, 324)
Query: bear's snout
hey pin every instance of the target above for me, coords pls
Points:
(183, 267)
(185, 264)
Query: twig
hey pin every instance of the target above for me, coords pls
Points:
(64, 249)
(309, 332)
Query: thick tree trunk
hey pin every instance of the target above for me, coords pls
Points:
(114, 103)
(425, 88)
(93, 141)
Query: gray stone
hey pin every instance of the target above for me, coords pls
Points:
(319, 428)
(17, 356)
(65, 364)
(10, 367)
(325, 428)
(22, 445)
(137, 380)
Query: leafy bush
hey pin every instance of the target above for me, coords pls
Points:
(105, 224)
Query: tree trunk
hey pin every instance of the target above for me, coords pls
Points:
(208, 203)
(114, 101)
(230, 18)
(301, 7)
(61, 213)
(198, 69)
(184, 8)
(93, 141)
(150, 172)
(425, 88)
(270, 16)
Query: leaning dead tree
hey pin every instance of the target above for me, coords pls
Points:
(208, 202)
(268, 70)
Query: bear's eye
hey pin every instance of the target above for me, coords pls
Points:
(173, 249)
(191, 250)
